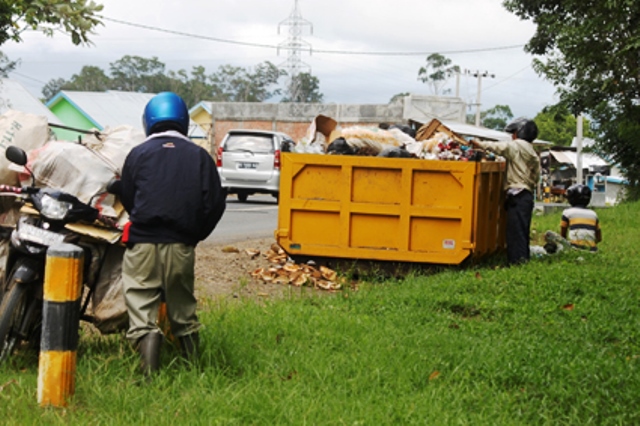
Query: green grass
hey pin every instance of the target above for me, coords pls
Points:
(555, 341)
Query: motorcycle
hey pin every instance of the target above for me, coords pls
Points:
(47, 217)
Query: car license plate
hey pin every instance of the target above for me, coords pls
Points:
(247, 165)
(39, 235)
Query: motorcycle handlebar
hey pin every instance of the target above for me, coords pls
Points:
(18, 190)
(11, 189)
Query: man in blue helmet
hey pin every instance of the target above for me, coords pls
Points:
(171, 190)
(523, 175)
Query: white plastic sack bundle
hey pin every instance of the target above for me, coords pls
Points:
(72, 168)
(85, 170)
(114, 144)
(26, 131)
(372, 141)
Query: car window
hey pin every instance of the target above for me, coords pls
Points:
(252, 143)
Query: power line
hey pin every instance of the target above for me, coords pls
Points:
(507, 78)
(276, 47)
(27, 77)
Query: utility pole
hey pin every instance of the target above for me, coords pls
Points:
(295, 45)
(479, 75)
(579, 149)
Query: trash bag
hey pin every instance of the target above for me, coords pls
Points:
(396, 152)
(108, 305)
(340, 147)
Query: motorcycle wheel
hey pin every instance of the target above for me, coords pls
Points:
(19, 319)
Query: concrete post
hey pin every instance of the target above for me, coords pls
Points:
(60, 322)
(579, 178)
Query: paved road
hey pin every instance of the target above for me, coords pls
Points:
(256, 218)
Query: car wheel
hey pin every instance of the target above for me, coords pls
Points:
(242, 197)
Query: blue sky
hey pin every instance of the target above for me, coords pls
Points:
(477, 35)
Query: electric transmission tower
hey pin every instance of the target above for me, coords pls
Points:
(294, 46)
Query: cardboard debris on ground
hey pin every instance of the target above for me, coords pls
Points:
(281, 270)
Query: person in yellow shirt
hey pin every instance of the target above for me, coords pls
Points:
(580, 225)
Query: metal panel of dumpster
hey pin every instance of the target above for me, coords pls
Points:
(390, 209)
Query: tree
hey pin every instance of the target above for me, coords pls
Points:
(398, 97)
(52, 88)
(226, 82)
(303, 88)
(137, 74)
(620, 132)
(437, 71)
(6, 65)
(557, 125)
(148, 75)
(194, 87)
(589, 51)
(90, 79)
(236, 84)
(496, 118)
(76, 18)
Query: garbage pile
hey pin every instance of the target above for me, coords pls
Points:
(284, 271)
(433, 141)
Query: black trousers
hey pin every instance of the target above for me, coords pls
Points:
(519, 210)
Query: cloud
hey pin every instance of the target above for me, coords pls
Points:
(454, 27)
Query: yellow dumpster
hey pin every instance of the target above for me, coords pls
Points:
(390, 209)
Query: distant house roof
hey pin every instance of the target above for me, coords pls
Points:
(202, 105)
(464, 129)
(14, 96)
(586, 142)
(569, 157)
(112, 108)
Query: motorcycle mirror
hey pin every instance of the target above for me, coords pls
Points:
(16, 155)
(114, 186)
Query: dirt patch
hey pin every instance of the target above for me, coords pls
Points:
(224, 271)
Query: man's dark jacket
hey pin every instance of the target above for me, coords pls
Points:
(171, 190)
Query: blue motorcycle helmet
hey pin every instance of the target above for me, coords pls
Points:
(165, 111)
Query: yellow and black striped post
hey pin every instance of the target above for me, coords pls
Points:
(60, 322)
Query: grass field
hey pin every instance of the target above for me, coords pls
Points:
(555, 341)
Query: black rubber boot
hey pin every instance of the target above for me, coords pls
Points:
(149, 347)
(190, 347)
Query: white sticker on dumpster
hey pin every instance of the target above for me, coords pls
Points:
(449, 244)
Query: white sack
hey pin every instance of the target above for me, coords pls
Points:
(85, 170)
(114, 145)
(26, 131)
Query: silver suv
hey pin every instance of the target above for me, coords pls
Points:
(249, 162)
